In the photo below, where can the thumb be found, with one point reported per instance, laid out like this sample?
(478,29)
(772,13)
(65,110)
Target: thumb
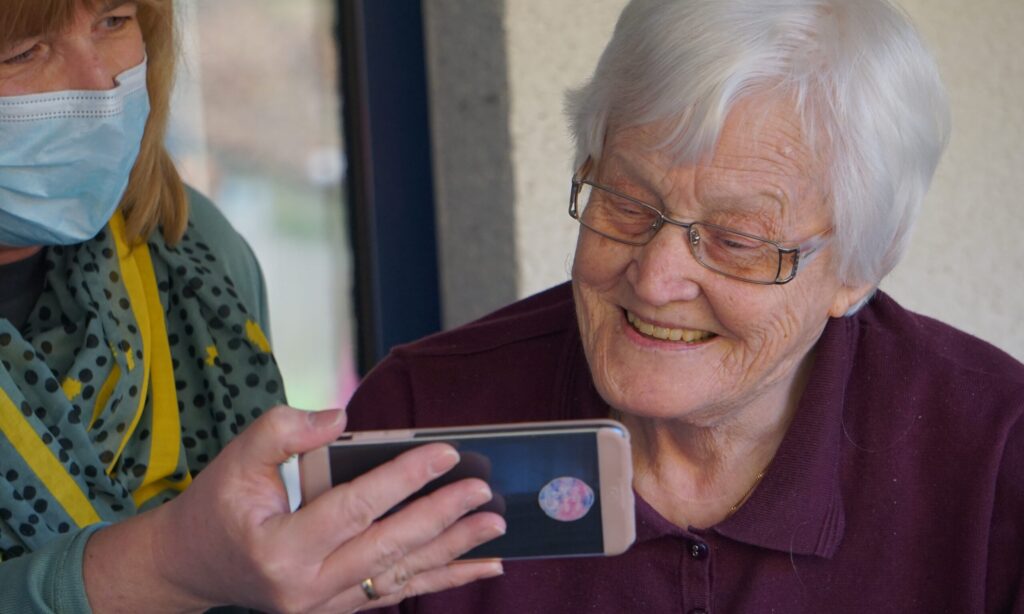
(284,431)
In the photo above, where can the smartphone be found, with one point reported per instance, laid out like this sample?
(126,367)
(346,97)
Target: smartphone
(564,488)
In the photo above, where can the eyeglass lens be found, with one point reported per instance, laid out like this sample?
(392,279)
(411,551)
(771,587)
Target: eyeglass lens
(717,248)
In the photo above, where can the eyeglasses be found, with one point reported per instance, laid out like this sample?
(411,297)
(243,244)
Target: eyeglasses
(732,253)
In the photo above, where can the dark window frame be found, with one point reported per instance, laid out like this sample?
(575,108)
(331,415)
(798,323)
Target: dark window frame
(390,179)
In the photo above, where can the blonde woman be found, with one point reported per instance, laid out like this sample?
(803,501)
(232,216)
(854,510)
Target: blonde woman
(132,352)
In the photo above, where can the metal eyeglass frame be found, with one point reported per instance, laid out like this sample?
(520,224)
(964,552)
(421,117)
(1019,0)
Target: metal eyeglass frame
(802,253)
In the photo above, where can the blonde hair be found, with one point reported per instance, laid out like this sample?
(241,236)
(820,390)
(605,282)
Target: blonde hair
(155,195)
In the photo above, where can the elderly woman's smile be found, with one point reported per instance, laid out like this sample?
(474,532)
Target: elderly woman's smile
(666,332)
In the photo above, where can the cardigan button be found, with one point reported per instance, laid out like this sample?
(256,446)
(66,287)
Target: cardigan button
(698,550)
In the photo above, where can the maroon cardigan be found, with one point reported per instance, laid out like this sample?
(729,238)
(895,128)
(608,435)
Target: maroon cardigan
(898,488)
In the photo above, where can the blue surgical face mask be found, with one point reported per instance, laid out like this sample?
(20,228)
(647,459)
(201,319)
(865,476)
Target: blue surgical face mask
(65,158)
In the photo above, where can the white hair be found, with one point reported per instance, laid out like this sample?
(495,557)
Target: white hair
(866,90)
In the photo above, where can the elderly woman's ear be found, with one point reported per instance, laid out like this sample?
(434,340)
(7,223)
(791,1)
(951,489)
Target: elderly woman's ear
(850,297)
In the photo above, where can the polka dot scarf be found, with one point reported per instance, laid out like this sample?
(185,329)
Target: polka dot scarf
(134,369)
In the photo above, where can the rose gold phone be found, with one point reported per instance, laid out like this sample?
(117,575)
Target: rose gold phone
(564,488)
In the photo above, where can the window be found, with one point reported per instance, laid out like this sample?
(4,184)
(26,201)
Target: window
(256,127)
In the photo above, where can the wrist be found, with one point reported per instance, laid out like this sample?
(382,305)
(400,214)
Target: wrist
(128,568)
(176,563)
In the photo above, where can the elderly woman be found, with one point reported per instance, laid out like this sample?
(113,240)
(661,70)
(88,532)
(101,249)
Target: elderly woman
(748,172)
(132,352)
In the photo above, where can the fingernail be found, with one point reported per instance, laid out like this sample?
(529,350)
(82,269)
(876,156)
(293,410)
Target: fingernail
(443,462)
(478,497)
(489,568)
(497,529)
(325,419)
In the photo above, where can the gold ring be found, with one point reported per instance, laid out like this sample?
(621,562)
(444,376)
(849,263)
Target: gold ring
(368,590)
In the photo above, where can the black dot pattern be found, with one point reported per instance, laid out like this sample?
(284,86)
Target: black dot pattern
(75,372)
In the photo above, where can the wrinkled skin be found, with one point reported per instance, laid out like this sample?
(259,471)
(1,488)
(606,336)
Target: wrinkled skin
(696,406)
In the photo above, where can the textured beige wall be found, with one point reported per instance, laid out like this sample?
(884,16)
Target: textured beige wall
(966,262)
(553,45)
(469,98)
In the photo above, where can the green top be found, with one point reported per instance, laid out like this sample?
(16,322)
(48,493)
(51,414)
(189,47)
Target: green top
(73,373)
(233,252)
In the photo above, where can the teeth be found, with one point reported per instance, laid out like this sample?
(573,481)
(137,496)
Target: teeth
(668,334)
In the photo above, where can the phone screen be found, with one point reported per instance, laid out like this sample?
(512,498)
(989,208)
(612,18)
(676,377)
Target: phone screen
(546,485)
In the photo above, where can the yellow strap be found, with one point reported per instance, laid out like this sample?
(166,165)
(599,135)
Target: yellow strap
(132,278)
(165,445)
(140,282)
(44,464)
(104,394)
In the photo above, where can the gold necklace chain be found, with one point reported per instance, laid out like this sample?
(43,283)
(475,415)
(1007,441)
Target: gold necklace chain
(617,415)
(746,495)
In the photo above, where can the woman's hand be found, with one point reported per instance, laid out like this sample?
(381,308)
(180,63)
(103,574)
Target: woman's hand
(230,539)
